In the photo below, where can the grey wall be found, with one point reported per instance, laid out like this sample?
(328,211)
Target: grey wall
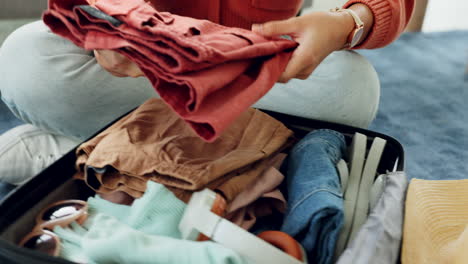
(22,8)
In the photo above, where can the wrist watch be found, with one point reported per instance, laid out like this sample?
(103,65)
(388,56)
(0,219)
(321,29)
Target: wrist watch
(356,35)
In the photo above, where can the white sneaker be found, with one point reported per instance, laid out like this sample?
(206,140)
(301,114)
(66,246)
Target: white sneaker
(26,150)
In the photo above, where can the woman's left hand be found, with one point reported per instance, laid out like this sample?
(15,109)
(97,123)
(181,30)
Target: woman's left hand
(318,35)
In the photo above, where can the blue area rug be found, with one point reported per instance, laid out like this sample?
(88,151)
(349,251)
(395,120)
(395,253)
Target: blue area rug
(424,101)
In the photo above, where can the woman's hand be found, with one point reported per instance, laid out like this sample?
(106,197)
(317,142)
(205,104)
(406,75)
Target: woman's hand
(318,35)
(117,64)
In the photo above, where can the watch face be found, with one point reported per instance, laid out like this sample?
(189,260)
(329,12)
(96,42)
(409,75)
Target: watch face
(357,36)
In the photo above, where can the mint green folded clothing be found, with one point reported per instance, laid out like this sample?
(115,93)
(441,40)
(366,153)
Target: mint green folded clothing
(145,232)
(157,212)
(70,242)
(110,241)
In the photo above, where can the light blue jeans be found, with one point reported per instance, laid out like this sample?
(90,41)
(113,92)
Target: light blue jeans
(51,83)
(315,201)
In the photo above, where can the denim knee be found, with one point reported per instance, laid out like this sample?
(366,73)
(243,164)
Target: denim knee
(343,89)
(367,82)
(354,88)
(51,83)
(9,50)
(20,72)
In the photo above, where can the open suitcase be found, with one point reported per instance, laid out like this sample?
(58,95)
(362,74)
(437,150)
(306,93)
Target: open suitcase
(19,208)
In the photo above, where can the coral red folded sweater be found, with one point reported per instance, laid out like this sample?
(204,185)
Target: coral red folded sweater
(390,16)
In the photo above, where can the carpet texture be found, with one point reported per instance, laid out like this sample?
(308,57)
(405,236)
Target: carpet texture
(424,101)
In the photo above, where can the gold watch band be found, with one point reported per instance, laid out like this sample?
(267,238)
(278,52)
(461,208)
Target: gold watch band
(355,36)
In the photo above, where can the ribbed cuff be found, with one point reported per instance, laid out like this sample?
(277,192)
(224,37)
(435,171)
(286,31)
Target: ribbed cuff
(382,11)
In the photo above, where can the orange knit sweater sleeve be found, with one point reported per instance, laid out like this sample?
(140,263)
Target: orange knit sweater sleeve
(390,19)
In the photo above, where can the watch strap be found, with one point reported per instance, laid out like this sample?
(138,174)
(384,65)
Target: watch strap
(359,25)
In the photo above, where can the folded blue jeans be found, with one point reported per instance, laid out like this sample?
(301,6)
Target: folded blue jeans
(315,201)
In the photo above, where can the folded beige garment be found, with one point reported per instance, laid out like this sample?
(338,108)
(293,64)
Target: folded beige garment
(436,219)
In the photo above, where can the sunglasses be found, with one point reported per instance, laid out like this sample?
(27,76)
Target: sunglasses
(61,213)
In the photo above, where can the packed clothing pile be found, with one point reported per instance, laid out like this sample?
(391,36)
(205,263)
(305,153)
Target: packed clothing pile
(321,197)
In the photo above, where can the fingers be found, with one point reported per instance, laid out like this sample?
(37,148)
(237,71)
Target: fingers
(117,64)
(303,60)
(133,70)
(300,66)
(304,74)
(275,28)
(105,64)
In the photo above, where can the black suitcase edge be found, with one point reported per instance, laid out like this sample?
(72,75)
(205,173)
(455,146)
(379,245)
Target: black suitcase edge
(24,197)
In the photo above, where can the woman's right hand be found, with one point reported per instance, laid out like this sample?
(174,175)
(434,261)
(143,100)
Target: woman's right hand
(117,64)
